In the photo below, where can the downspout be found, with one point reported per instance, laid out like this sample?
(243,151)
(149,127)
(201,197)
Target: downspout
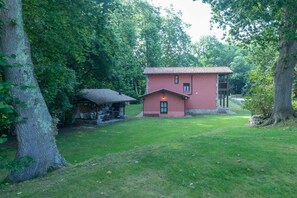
(143,106)
(147,85)
(217,91)
(184,106)
(191,92)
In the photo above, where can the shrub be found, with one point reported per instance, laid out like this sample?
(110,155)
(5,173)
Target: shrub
(259,97)
(294,103)
(7,111)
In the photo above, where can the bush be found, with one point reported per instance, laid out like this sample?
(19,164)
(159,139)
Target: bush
(294,103)
(259,97)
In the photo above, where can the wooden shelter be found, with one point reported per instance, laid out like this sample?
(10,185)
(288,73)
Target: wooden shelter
(101,105)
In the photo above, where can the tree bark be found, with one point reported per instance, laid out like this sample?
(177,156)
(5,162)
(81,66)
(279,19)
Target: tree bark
(35,129)
(283,81)
(136,87)
(285,67)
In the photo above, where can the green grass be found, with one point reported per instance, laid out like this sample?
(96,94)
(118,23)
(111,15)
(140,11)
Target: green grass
(133,110)
(201,156)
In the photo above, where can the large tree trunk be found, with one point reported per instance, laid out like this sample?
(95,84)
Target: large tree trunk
(285,67)
(35,131)
(283,81)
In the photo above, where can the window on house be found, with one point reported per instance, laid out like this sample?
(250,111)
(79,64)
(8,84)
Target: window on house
(186,87)
(176,79)
(164,107)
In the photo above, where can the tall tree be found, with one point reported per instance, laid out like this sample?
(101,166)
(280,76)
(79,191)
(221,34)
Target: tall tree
(241,68)
(72,48)
(62,39)
(209,51)
(176,43)
(150,24)
(258,21)
(142,37)
(35,128)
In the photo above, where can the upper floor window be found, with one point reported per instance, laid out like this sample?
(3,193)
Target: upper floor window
(186,87)
(176,79)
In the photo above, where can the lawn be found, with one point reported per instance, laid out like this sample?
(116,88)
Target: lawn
(200,156)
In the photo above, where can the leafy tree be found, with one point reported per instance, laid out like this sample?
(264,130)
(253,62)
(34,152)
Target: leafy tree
(143,38)
(56,36)
(209,51)
(35,132)
(259,90)
(176,43)
(57,91)
(150,32)
(261,22)
(241,68)
(259,97)
(71,47)
(8,113)
(136,28)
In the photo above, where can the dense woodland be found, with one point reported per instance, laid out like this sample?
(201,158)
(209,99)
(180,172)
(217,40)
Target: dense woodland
(107,44)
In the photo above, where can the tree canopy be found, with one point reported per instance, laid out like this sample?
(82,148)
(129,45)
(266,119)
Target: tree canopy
(260,22)
(209,51)
(107,44)
(103,44)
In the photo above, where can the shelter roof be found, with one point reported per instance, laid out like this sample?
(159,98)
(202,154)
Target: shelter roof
(103,96)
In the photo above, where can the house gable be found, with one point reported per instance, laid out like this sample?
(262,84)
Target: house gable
(164,103)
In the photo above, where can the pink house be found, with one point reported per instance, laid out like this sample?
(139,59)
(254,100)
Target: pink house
(175,91)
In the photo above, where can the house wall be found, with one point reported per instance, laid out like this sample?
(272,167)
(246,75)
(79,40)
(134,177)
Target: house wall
(203,88)
(151,105)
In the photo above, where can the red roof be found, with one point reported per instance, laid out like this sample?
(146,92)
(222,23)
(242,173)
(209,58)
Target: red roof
(168,91)
(187,70)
